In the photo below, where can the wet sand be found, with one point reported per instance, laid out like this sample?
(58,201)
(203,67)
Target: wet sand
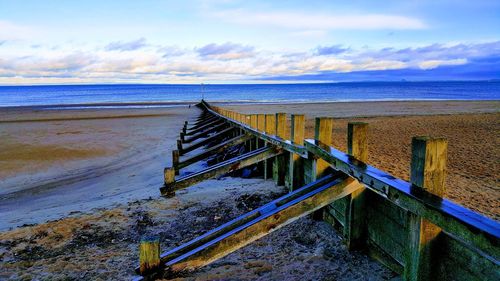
(100,186)
(58,162)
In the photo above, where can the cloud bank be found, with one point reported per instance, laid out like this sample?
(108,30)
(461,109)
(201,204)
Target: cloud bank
(136,61)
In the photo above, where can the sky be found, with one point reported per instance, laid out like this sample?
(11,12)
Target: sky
(226,41)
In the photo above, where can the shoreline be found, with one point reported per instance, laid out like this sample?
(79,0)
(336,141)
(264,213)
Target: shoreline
(156,105)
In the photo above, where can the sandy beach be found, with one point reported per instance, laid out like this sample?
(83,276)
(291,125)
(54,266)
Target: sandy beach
(94,174)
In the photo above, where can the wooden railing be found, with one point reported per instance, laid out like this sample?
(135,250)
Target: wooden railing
(408,226)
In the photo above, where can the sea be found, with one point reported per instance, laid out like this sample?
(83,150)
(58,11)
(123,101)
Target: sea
(167,95)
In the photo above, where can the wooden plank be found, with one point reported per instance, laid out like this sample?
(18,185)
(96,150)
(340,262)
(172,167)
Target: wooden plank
(295,168)
(389,246)
(202,122)
(222,168)
(355,219)
(387,228)
(388,209)
(477,231)
(204,127)
(206,132)
(380,255)
(265,224)
(428,168)
(473,266)
(280,163)
(208,140)
(244,219)
(214,150)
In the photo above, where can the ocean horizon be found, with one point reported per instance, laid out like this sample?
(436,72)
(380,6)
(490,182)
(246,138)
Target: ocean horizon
(167,95)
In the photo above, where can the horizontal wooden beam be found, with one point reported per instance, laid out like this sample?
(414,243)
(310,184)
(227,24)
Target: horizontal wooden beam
(213,150)
(472,229)
(261,222)
(206,132)
(222,168)
(202,122)
(208,140)
(200,129)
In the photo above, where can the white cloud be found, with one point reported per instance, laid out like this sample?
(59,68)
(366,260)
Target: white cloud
(14,31)
(317,21)
(430,64)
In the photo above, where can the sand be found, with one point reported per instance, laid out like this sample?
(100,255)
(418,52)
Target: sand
(97,175)
(473,140)
(57,162)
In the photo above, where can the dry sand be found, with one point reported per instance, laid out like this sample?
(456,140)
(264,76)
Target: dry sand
(115,164)
(473,140)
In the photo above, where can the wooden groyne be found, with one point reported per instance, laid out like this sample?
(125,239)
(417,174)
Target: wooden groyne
(407,226)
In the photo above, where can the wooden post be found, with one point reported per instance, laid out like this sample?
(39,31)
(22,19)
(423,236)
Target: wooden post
(322,132)
(295,177)
(253,124)
(175,161)
(253,121)
(179,145)
(270,124)
(428,169)
(279,163)
(317,167)
(261,122)
(149,255)
(355,226)
(270,130)
(169,177)
(261,126)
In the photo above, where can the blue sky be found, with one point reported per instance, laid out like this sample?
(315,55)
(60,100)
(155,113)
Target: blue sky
(225,41)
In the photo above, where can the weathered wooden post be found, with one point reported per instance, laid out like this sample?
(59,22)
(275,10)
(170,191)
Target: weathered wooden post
(270,130)
(253,124)
(253,121)
(355,226)
(279,163)
(184,129)
(169,178)
(428,170)
(179,146)
(271,124)
(175,161)
(295,176)
(323,133)
(261,126)
(149,255)
(316,168)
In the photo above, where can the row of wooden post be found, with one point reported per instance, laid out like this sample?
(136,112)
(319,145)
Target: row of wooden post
(428,168)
